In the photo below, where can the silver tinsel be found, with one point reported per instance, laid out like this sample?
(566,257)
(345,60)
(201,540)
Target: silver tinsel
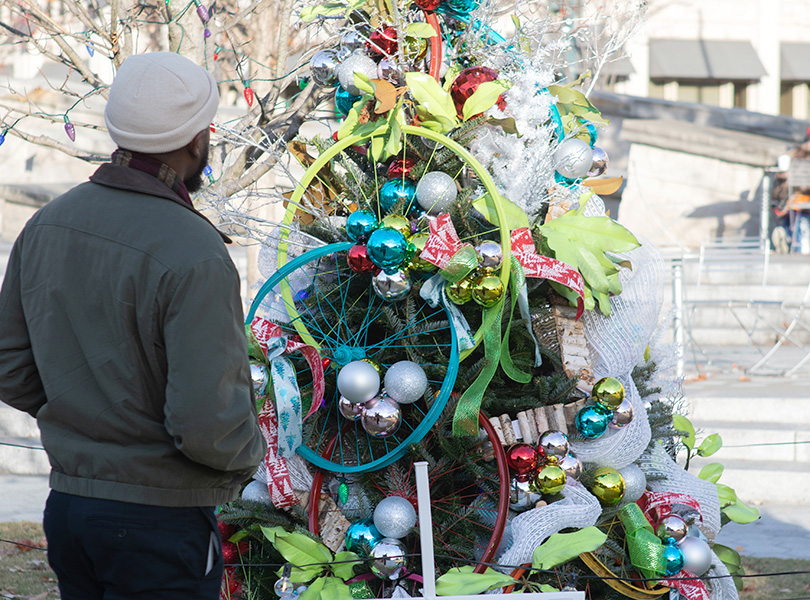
(394,517)
(406,382)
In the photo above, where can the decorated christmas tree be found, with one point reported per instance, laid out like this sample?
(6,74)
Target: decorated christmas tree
(445,287)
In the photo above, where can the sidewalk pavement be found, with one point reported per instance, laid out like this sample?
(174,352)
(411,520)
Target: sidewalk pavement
(782,532)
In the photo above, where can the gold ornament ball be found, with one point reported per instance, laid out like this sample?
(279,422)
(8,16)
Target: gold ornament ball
(550,480)
(418,240)
(374,364)
(488,290)
(607,484)
(608,392)
(398,223)
(460,292)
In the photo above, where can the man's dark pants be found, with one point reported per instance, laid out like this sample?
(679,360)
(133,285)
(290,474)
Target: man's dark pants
(103,549)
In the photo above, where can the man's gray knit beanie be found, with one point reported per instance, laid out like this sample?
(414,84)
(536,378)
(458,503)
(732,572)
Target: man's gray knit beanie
(158,102)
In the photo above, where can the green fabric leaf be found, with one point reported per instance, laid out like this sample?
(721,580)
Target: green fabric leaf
(741,513)
(463,582)
(363,83)
(681,423)
(352,120)
(313,591)
(432,97)
(451,75)
(597,233)
(730,557)
(344,569)
(603,301)
(516,23)
(548,588)
(559,548)
(484,97)
(726,495)
(298,549)
(710,445)
(421,30)
(571,101)
(507,124)
(711,472)
(331,9)
(334,589)
(515,217)
(588,265)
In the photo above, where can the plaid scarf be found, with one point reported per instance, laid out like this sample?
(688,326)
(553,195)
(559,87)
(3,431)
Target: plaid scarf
(155,168)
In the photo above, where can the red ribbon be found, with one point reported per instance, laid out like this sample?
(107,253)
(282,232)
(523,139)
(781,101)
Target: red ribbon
(657,506)
(264,330)
(278,476)
(543,267)
(443,242)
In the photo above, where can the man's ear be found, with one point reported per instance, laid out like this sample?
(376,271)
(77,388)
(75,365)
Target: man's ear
(196,147)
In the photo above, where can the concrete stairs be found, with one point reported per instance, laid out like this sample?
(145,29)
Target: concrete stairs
(765,426)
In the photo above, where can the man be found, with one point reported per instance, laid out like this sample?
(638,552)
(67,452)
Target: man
(121,332)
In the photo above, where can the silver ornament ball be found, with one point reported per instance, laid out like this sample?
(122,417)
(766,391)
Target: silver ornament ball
(554,443)
(571,465)
(352,40)
(259,377)
(406,382)
(622,414)
(387,69)
(391,287)
(388,559)
(256,491)
(394,517)
(436,192)
(672,526)
(599,163)
(358,381)
(348,409)
(490,255)
(355,63)
(573,158)
(322,68)
(381,417)
(635,482)
(521,496)
(697,555)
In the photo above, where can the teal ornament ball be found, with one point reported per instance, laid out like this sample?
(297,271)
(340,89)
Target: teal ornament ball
(592,421)
(673,558)
(361,537)
(394,190)
(344,100)
(462,7)
(388,249)
(360,225)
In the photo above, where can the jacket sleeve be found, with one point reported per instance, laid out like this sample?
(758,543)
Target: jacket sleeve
(209,410)
(20,383)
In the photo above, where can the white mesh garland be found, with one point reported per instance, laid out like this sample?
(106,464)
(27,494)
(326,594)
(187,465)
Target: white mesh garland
(579,509)
(619,342)
(683,482)
(721,588)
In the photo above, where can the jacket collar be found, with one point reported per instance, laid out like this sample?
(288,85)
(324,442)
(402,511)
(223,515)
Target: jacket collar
(125,178)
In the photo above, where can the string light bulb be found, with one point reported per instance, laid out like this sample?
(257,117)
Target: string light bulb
(209,172)
(284,586)
(248,93)
(3,135)
(70,130)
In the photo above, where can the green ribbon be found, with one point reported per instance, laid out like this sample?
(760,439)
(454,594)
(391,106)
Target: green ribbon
(465,419)
(461,264)
(644,547)
(433,292)
(517,283)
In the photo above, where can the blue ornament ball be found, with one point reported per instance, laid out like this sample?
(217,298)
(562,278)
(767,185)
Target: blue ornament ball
(394,190)
(592,421)
(673,558)
(360,225)
(388,249)
(361,537)
(344,100)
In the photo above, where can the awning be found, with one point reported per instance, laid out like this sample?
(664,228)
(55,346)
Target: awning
(704,59)
(795,61)
(620,67)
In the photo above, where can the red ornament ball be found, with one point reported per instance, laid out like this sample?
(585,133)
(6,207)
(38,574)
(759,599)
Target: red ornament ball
(382,42)
(359,262)
(522,458)
(428,4)
(226,530)
(230,553)
(400,167)
(231,584)
(468,81)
